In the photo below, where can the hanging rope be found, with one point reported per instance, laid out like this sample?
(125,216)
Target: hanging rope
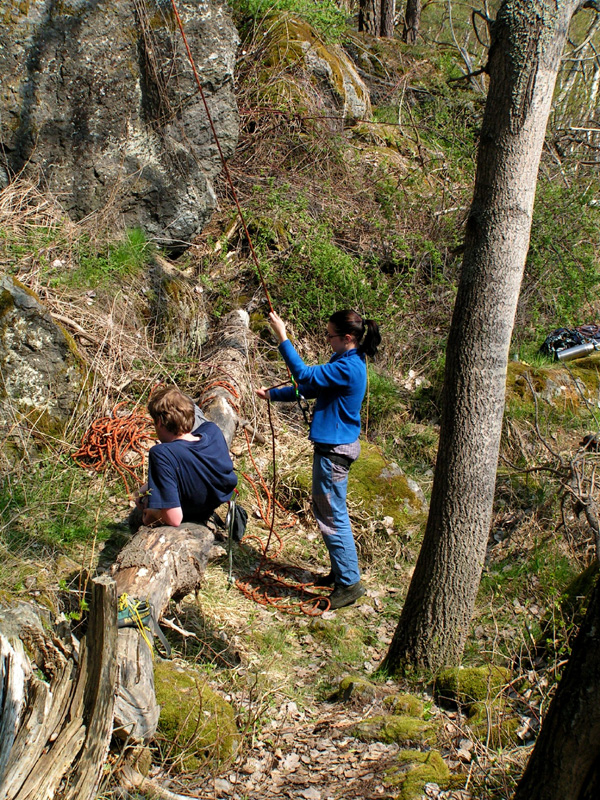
(270,583)
(223,161)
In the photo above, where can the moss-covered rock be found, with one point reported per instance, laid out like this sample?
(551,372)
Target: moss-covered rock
(43,373)
(413,770)
(353,687)
(374,484)
(382,487)
(333,79)
(567,388)
(400,729)
(178,318)
(195,722)
(406,704)
(466,685)
(494,724)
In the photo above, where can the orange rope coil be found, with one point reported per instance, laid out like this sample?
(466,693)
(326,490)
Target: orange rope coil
(109,440)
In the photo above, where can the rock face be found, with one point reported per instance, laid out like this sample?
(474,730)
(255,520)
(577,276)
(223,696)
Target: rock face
(42,375)
(99,97)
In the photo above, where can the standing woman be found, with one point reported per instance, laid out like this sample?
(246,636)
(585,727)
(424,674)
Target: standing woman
(339,387)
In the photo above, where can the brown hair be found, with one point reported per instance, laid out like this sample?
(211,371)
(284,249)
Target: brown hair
(172,409)
(365,332)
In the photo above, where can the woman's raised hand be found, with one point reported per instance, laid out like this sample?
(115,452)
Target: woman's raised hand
(278,326)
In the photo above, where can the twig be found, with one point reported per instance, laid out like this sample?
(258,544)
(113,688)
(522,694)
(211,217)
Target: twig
(132,779)
(76,327)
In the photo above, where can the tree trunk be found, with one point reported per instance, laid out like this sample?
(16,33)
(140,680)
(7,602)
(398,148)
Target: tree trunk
(376,17)
(527,42)
(412,20)
(388,12)
(565,762)
(158,564)
(368,17)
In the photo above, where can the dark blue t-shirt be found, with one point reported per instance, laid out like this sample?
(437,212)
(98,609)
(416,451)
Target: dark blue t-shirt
(196,476)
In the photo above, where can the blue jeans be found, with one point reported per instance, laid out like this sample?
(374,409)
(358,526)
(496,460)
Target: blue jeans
(329,488)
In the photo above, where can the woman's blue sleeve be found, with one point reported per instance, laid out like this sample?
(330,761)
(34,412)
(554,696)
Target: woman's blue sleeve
(322,376)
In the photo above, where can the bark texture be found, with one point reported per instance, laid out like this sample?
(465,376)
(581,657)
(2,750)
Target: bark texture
(56,732)
(565,762)
(158,563)
(412,20)
(527,43)
(376,17)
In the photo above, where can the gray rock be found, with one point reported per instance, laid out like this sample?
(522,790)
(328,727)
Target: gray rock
(42,375)
(99,97)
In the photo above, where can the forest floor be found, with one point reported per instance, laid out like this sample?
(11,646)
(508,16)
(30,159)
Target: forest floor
(373,215)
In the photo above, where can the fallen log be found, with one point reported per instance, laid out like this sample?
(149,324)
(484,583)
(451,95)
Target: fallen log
(157,565)
(220,397)
(57,711)
(162,563)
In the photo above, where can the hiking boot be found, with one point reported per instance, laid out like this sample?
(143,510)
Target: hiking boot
(345,595)
(324,580)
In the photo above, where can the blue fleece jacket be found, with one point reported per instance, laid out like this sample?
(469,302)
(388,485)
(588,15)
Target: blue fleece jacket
(339,387)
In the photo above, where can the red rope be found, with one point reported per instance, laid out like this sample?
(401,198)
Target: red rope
(110,439)
(223,161)
(311,605)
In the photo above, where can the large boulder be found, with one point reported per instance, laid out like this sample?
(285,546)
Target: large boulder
(100,98)
(330,82)
(42,373)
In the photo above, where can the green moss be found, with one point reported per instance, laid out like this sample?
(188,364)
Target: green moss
(353,686)
(391,728)
(414,770)
(196,724)
(285,47)
(379,487)
(346,641)
(42,422)
(556,382)
(406,704)
(493,724)
(6,302)
(466,685)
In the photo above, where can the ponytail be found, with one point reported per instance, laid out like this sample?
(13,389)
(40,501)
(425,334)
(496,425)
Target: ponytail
(372,339)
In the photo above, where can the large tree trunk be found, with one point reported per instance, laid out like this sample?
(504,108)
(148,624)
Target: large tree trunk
(368,17)
(527,42)
(388,12)
(412,20)
(565,762)
(376,17)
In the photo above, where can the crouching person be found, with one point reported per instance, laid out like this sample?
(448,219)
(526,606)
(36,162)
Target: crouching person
(190,473)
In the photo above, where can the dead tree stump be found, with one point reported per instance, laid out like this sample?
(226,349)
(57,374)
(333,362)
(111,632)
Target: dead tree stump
(56,713)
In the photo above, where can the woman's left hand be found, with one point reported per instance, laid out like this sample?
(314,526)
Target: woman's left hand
(278,326)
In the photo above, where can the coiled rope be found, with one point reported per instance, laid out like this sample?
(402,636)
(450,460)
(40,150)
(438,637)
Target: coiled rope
(110,442)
